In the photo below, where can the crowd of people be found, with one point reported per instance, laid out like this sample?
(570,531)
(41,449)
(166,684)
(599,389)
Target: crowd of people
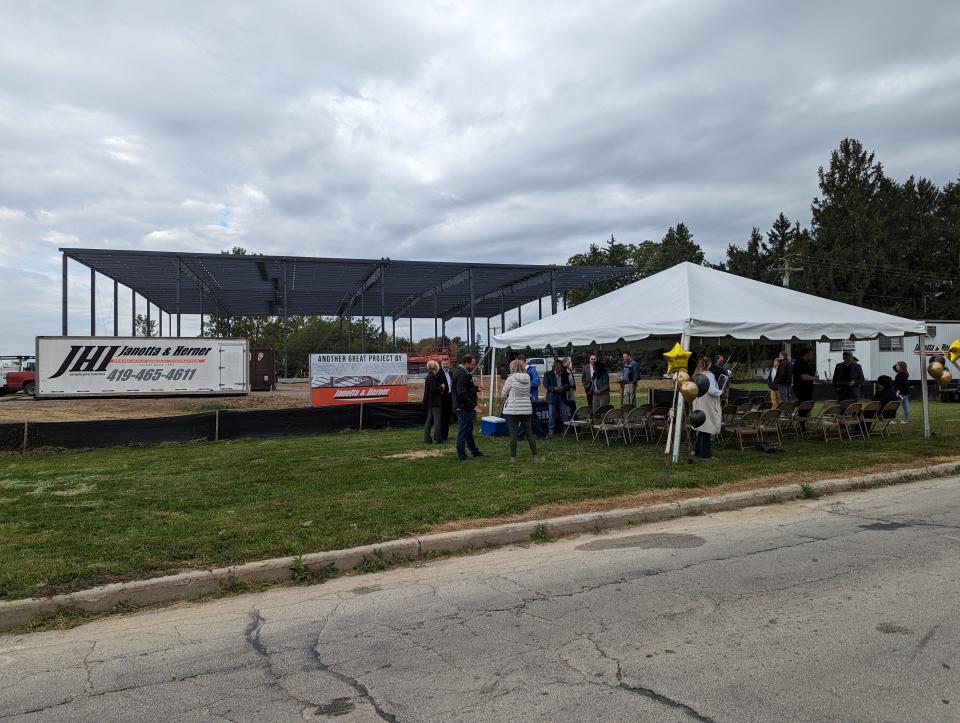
(448,394)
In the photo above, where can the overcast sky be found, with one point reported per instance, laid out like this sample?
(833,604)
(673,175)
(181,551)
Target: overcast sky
(487,131)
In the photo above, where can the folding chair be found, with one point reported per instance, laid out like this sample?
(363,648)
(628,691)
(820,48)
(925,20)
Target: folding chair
(829,421)
(870,415)
(888,418)
(801,415)
(612,422)
(597,419)
(635,423)
(659,421)
(728,421)
(765,406)
(785,418)
(749,425)
(627,408)
(852,421)
(580,420)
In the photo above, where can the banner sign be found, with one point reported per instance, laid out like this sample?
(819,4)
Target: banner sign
(70,366)
(357,378)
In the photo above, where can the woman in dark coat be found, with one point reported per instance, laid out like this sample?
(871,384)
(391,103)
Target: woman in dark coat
(433,388)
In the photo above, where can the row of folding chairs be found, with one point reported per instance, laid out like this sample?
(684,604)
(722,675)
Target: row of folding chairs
(851,420)
(834,421)
(627,422)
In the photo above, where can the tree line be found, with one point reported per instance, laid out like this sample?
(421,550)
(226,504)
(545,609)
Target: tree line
(872,241)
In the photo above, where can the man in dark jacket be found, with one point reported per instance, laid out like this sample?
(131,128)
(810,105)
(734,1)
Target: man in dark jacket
(784,378)
(465,399)
(848,378)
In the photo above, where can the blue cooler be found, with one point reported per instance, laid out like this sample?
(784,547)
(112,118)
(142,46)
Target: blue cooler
(493,426)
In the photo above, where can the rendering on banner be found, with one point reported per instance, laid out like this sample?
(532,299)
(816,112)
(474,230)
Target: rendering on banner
(356,378)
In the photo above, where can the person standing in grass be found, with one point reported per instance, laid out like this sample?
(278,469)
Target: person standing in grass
(570,382)
(804,375)
(709,404)
(785,378)
(465,394)
(772,384)
(589,372)
(518,408)
(447,412)
(600,386)
(848,378)
(433,396)
(556,396)
(629,377)
(901,384)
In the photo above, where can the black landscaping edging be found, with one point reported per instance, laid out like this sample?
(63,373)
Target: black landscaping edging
(223,424)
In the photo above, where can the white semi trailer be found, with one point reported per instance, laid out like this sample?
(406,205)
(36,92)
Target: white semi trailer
(878,356)
(85,366)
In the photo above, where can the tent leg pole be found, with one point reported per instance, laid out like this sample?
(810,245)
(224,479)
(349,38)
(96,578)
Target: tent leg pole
(924,386)
(678,413)
(493,371)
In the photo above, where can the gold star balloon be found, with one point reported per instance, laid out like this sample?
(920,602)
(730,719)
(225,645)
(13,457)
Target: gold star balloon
(953,352)
(677,358)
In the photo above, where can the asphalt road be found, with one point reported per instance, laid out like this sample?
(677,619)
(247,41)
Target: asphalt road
(844,608)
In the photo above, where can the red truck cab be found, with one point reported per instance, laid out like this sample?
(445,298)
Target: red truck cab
(19,378)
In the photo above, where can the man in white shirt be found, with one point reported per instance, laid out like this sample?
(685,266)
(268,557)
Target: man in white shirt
(587,379)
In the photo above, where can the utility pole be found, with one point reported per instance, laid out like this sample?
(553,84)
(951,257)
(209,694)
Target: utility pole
(785,279)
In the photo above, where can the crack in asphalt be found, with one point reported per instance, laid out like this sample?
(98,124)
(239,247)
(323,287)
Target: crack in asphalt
(252,635)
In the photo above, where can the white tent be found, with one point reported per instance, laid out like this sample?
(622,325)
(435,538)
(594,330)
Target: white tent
(699,301)
(695,301)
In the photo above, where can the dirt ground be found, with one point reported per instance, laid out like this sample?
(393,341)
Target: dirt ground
(20,408)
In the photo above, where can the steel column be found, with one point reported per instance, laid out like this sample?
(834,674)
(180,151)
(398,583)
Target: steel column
(93,301)
(179,275)
(160,318)
(286,328)
(394,334)
(133,312)
(116,310)
(63,299)
(363,327)
(553,291)
(503,316)
(540,307)
(470,324)
(383,317)
(149,327)
(411,333)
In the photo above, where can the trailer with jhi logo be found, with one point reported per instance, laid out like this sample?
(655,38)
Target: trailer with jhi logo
(83,366)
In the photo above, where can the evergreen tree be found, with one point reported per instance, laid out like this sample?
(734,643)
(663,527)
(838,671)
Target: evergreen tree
(676,247)
(848,227)
(747,261)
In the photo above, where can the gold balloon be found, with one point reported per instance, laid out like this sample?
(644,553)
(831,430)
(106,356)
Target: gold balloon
(944,379)
(689,390)
(676,358)
(683,376)
(936,370)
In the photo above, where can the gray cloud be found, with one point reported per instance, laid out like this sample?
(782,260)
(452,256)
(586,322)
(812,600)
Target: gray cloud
(467,130)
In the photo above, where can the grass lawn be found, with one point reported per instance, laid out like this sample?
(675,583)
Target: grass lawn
(75,519)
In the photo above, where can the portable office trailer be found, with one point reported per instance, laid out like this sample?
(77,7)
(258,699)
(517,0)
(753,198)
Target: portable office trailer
(877,356)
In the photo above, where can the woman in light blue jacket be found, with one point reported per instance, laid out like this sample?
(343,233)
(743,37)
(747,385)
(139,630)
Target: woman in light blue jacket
(517,407)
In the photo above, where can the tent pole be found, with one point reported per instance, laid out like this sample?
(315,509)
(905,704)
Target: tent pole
(924,384)
(678,412)
(493,371)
